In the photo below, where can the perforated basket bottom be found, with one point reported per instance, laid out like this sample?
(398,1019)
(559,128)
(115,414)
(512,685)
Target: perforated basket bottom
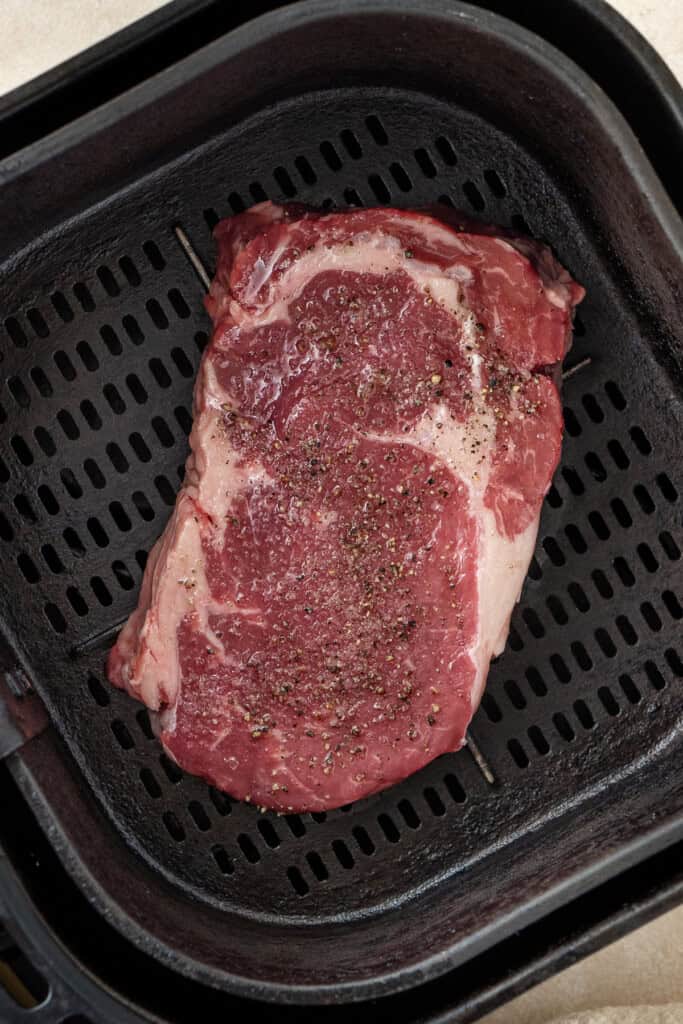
(99,364)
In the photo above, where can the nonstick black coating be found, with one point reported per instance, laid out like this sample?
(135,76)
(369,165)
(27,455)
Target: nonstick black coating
(104,329)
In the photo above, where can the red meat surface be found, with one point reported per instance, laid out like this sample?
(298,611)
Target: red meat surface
(376,423)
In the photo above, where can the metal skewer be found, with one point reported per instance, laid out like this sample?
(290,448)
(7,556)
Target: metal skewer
(191,253)
(479,759)
(99,639)
(576,368)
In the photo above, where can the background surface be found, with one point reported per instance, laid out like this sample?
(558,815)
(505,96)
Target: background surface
(647,966)
(37,34)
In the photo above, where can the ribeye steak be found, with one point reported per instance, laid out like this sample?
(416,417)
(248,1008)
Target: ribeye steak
(376,422)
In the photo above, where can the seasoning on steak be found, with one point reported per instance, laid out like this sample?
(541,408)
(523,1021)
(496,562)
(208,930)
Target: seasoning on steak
(376,422)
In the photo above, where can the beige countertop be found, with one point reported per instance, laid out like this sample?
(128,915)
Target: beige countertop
(646,967)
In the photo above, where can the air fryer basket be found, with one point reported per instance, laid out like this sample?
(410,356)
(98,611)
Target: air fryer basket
(372,103)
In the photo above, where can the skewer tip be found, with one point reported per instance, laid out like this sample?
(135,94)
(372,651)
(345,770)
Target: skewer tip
(190,252)
(577,367)
(479,759)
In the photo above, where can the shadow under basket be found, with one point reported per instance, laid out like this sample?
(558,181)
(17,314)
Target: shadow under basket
(374,103)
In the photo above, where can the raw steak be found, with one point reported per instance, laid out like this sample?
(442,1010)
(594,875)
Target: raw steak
(376,422)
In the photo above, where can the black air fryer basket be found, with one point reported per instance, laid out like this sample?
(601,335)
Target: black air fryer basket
(401,902)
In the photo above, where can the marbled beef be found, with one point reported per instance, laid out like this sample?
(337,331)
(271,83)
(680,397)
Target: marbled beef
(376,422)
